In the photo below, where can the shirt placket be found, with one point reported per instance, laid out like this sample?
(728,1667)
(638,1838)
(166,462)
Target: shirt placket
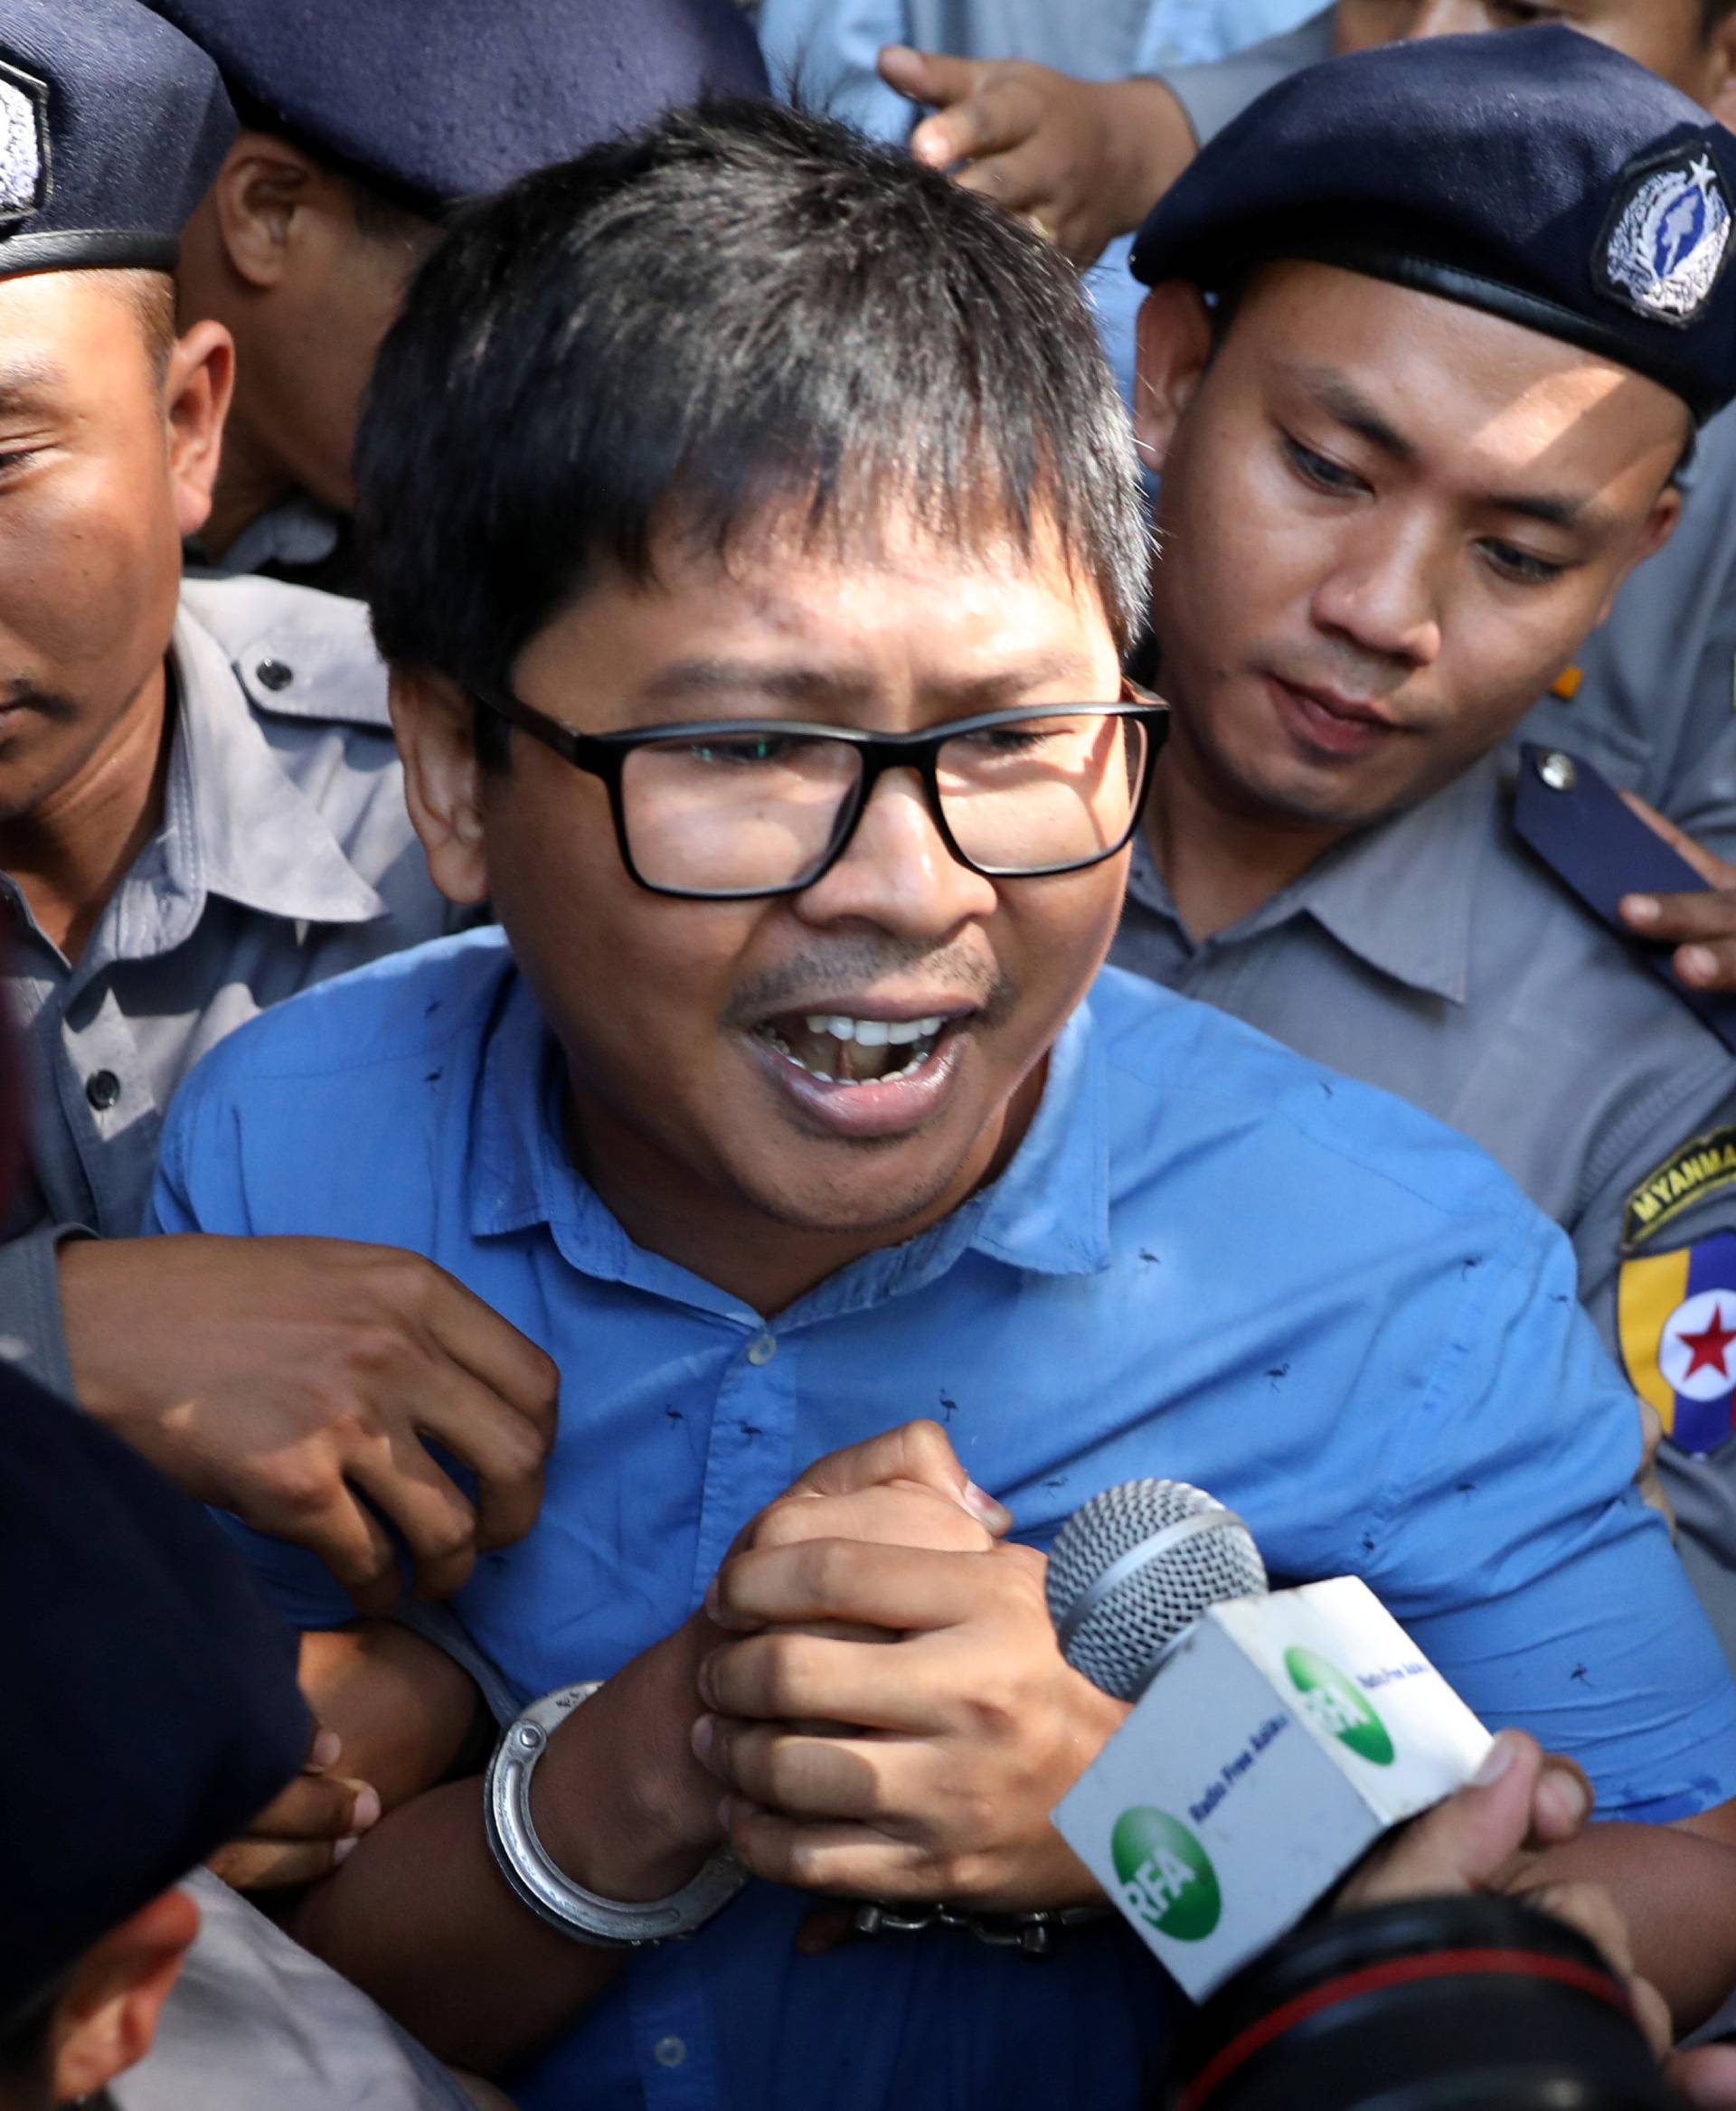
(749,1463)
(106,1104)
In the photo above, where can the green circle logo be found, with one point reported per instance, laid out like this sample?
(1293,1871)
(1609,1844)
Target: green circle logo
(1167,1876)
(1335,1704)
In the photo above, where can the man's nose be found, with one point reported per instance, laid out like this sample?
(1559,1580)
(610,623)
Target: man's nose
(896,872)
(1382,597)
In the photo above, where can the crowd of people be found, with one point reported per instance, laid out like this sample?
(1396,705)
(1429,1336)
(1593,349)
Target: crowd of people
(774,785)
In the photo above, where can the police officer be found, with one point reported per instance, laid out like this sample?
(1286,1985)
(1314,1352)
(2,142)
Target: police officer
(1651,697)
(361,129)
(201,812)
(1371,544)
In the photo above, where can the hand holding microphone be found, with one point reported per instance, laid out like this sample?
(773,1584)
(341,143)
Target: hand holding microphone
(1277,1736)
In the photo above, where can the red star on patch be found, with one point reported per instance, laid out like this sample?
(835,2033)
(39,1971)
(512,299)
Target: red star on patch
(1709,1346)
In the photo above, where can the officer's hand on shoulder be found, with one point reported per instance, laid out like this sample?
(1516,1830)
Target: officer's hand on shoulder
(1083,161)
(1701,927)
(293,1381)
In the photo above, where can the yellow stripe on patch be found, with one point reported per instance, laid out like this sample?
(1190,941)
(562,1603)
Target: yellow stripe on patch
(1649,1292)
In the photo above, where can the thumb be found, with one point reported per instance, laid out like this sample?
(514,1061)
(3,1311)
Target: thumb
(1464,1844)
(916,1452)
(928,77)
(1711,868)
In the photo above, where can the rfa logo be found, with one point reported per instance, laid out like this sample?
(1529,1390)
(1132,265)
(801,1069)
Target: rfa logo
(1336,1706)
(1167,1876)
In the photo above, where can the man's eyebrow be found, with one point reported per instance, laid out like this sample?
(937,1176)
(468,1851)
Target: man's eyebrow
(1554,509)
(688,680)
(1340,399)
(24,381)
(819,688)
(1351,407)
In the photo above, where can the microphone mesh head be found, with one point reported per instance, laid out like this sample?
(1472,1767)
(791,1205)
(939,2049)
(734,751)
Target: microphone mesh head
(1118,1643)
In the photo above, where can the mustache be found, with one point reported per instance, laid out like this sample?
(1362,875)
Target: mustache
(861,962)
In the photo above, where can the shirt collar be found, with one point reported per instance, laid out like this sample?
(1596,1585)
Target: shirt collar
(1047,1212)
(297,532)
(1401,895)
(236,825)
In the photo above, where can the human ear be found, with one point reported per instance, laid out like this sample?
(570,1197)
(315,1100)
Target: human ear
(434,722)
(1174,347)
(263,189)
(104,2021)
(1660,525)
(197,385)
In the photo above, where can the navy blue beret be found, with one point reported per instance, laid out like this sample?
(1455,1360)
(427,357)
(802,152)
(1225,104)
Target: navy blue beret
(1532,172)
(111,127)
(151,1707)
(435,100)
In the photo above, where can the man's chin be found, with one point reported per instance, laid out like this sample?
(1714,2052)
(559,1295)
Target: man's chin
(882,1201)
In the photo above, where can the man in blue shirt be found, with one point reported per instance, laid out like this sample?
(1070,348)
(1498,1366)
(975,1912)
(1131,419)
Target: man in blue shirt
(754,532)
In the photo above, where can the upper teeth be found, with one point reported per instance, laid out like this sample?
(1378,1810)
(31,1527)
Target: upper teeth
(875,1032)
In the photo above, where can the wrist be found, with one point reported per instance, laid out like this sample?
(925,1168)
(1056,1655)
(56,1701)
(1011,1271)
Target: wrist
(620,1801)
(1151,143)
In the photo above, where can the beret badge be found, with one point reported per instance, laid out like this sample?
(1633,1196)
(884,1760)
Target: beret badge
(24,146)
(1667,239)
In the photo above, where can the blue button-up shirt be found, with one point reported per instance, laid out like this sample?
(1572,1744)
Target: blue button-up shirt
(1208,1259)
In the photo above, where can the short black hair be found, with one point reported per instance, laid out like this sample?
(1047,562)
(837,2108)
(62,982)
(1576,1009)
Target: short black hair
(739,310)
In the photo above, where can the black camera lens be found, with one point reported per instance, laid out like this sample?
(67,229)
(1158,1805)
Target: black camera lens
(1437,2004)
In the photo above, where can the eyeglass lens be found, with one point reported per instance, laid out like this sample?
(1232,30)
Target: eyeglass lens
(760,809)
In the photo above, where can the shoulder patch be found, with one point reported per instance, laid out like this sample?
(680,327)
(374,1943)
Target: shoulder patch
(1677,1320)
(1699,1168)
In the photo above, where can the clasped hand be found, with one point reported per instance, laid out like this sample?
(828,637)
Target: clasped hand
(892,1717)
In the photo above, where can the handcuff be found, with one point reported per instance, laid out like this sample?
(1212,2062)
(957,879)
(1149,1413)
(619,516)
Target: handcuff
(540,1884)
(1035,1935)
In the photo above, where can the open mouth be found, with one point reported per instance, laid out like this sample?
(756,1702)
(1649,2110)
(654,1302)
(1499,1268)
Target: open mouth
(853,1051)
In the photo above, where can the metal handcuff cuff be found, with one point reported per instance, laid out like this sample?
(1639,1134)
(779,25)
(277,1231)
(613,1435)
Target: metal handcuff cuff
(538,1881)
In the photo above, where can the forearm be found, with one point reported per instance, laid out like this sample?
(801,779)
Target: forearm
(1151,143)
(1676,1890)
(420,1918)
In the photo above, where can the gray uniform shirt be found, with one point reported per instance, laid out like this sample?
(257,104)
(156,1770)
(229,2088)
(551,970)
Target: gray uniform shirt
(1436,957)
(285,856)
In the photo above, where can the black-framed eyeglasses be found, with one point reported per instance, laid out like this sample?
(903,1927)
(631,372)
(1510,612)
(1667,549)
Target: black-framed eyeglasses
(737,809)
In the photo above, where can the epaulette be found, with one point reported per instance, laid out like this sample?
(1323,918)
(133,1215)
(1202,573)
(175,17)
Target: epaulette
(1582,829)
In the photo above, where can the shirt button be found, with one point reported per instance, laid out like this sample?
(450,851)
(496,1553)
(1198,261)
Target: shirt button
(102,1088)
(669,2051)
(1557,771)
(274,674)
(763,1350)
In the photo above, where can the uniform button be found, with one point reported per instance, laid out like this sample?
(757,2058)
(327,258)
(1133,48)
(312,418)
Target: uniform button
(274,674)
(763,1350)
(1558,771)
(669,2051)
(102,1088)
